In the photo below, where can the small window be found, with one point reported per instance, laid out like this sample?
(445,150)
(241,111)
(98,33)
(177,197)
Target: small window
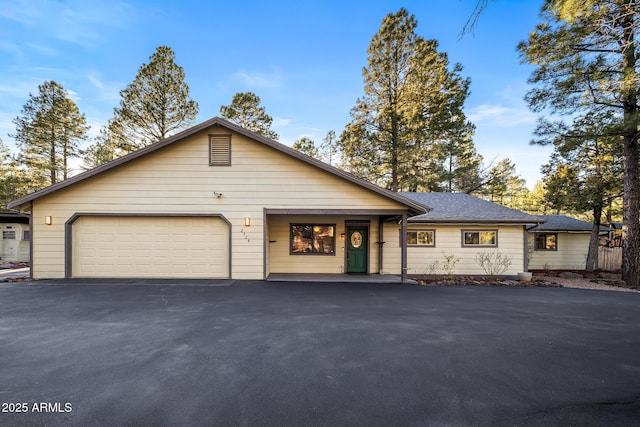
(219,150)
(421,238)
(26,235)
(313,239)
(9,235)
(547,242)
(479,238)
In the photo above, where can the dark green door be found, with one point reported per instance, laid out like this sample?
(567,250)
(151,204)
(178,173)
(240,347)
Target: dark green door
(357,249)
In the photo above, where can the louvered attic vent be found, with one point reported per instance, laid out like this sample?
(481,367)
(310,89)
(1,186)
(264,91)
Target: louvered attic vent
(219,150)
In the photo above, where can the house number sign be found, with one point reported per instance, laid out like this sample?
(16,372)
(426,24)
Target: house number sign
(356,239)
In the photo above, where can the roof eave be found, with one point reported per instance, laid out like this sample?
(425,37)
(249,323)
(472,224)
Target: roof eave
(470,221)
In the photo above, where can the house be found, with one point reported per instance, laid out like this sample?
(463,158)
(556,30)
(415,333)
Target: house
(16,236)
(458,227)
(216,201)
(560,243)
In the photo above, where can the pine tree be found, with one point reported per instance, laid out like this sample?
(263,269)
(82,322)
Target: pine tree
(585,170)
(112,142)
(586,59)
(49,131)
(307,146)
(157,103)
(245,110)
(330,149)
(412,102)
(14,182)
(501,184)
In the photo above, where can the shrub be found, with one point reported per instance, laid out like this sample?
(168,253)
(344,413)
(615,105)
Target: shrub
(447,266)
(493,263)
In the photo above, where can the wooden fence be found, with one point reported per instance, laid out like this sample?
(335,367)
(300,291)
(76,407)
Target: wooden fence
(609,259)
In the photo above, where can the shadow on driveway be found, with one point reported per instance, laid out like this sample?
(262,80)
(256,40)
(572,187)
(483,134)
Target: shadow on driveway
(292,354)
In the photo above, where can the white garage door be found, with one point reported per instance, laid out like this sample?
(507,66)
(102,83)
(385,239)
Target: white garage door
(172,247)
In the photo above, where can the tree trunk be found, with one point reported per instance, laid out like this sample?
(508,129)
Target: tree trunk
(395,148)
(592,256)
(631,196)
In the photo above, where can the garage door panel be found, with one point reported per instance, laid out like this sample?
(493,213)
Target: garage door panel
(190,247)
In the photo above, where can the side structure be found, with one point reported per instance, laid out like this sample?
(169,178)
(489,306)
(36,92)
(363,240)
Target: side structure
(458,228)
(561,243)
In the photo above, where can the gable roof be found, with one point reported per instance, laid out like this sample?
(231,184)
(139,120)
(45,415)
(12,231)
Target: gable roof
(564,223)
(415,208)
(456,208)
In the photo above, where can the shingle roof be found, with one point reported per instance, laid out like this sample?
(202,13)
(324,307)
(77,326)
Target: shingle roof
(564,223)
(463,208)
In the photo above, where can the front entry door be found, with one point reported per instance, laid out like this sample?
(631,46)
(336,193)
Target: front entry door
(357,249)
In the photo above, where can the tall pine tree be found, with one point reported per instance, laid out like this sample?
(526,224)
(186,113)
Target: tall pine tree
(586,58)
(245,110)
(48,132)
(412,102)
(155,105)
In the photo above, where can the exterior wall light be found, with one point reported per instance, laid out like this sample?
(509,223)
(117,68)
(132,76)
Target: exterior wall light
(48,220)
(247,221)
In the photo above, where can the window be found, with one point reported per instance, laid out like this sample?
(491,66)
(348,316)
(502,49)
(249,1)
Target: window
(9,235)
(26,235)
(421,238)
(547,242)
(219,150)
(313,239)
(479,238)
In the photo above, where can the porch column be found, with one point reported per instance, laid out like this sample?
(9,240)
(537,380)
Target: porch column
(403,247)
(380,245)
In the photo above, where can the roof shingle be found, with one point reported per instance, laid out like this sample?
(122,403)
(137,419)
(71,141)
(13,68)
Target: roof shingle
(464,208)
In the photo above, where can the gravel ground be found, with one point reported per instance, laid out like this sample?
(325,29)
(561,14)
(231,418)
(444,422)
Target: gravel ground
(588,284)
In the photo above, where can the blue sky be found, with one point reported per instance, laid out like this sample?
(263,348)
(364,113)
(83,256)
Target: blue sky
(304,59)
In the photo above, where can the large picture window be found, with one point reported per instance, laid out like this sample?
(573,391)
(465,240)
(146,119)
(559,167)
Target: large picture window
(479,237)
(421,238)
(547,242)
(313,239)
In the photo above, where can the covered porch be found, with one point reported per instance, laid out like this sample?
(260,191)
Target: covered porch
(335,245)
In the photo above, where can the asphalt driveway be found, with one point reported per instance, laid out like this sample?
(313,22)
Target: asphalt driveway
(307,354)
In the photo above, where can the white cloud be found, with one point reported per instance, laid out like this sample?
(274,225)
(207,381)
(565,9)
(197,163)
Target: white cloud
(500,115)
(109,91)
(75,21)
(282,122)
(41,49)
(259,79)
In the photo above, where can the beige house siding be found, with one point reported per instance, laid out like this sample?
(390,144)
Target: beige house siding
(572,252)
(281,261)
(177,179)
(448,241)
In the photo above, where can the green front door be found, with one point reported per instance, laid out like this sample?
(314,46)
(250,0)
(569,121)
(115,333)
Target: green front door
(357,249)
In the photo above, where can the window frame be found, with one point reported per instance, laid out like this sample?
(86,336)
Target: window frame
(211,159)
(535,242)
(312,225)
(479,231)
(422,230)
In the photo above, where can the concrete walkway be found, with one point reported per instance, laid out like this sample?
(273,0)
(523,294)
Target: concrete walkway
(334,278)
(14,273)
